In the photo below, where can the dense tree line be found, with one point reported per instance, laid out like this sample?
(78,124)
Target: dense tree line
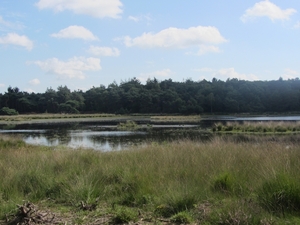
(167,96)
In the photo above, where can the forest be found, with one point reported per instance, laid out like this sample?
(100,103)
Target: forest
(161,97)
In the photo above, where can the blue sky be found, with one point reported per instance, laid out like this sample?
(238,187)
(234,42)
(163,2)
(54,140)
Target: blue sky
(81,44)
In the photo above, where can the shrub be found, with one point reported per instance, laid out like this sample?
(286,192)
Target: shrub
(8,111)
(129,125)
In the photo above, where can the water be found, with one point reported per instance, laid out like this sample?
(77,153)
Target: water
(96,135)
(106,137)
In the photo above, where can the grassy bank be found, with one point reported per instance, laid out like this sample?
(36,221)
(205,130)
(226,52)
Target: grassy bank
(46,117)
(217,182)
(266,127)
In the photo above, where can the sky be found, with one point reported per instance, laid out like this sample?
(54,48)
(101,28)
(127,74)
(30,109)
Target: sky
(88,43)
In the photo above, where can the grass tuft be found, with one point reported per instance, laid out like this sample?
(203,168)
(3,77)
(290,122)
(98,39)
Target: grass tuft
(281,194)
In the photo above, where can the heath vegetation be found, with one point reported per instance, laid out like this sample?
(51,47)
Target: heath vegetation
(221,181)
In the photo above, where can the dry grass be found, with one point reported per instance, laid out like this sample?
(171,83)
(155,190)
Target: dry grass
(29,117)
(195,118)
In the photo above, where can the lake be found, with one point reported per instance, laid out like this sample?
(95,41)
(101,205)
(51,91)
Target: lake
(105,136)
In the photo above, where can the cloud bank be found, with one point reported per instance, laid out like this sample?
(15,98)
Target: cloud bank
(34,82)
(94,8)
(267,9)
(73,68)
(177,38)
(73,32)
(15,39)
(231,73)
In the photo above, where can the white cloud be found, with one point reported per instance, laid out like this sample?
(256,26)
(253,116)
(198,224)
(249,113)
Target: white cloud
(15,39)
(290,74)
(140,18)
(231,73)
(157,74)
(133,18)
(73,68)
(2,85)
(95,8)
(103,51)
(75,32)
(34,82)
(177,38)
(267,9)
(29,90)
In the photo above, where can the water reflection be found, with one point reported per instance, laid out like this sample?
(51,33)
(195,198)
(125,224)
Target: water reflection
(98,140)
(105,137)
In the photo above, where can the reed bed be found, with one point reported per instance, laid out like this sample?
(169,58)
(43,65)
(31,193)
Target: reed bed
(216,182)
(258,127)
(29,117)
(192,118)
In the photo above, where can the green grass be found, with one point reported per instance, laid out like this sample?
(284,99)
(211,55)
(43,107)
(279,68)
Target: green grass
(266,127)
(48,116)
(216,182)
(128,125)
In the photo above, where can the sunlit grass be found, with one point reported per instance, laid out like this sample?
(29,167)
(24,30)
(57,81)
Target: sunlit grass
(230,179)
(191,118)
(258,127)
(25,117)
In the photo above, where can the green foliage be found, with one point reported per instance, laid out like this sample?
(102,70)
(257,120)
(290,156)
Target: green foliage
(8,111)
(174,180)
(258,127)
(124,215)
(281,194)
(223,183)
(128,125)
(182,218)
(67,108)
(176,204)
(167,96)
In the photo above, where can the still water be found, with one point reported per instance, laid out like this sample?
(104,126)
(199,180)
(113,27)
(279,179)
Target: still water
(106,137)
(97,136)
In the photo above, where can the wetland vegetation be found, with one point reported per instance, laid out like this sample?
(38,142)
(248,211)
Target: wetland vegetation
(221,181)
(262,127)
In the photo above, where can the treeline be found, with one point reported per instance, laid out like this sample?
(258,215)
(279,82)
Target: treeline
(188,97)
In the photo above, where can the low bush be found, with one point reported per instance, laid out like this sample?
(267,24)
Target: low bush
(9,112)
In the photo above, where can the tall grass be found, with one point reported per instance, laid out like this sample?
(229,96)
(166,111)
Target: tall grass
(165,179)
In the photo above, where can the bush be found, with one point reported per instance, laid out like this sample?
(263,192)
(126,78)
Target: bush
(67,108)
(8,111)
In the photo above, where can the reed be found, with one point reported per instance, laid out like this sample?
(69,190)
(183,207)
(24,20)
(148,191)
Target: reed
(45,116)
(191,118)
(220,180)
(265,127)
